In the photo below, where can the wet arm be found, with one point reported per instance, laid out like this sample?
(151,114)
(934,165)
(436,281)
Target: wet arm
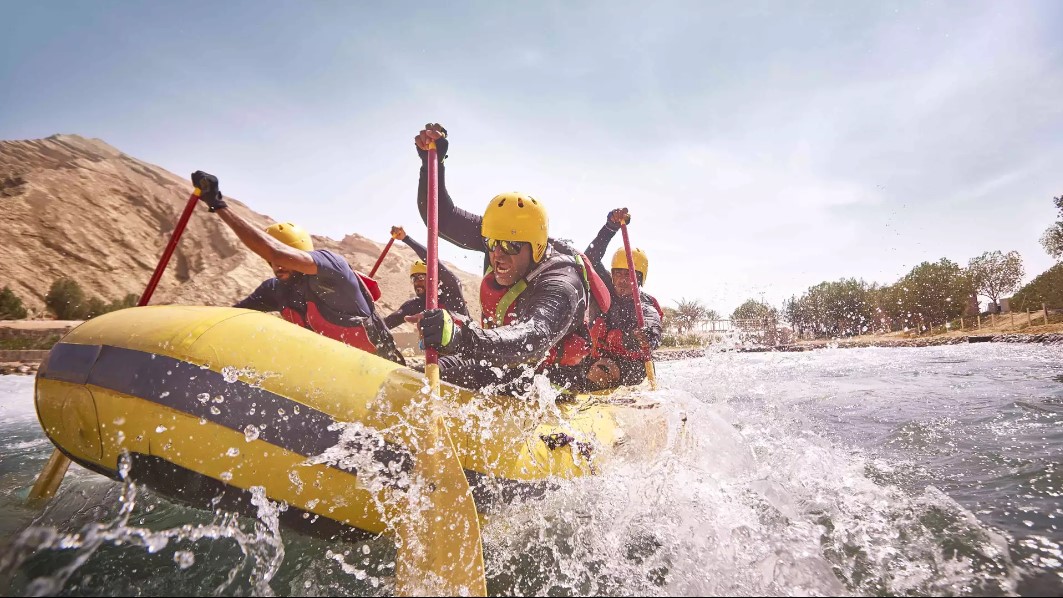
(556,302)
(456,225)
(652,320)
(406,309)
(268,248)
(449,283)
(596,250)
(264,298)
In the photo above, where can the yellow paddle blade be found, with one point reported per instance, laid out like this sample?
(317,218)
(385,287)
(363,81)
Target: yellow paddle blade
(439,548)
(651,375)
(51,476)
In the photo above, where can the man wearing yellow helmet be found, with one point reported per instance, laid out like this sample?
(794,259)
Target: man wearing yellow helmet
(621,347)
(450,296)
(534,296)
(315,289)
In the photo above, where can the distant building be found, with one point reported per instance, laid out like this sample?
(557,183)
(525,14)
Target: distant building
(1005,305)
(973,308)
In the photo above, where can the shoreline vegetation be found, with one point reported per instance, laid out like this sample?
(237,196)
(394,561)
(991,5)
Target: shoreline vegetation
(24,343)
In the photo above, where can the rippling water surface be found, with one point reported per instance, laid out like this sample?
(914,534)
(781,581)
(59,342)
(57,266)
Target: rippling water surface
(858,471)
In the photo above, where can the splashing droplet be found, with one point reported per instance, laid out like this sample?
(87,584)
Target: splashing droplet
(184,559)
(251,433)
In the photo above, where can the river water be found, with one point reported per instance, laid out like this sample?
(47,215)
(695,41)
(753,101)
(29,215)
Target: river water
(878,471)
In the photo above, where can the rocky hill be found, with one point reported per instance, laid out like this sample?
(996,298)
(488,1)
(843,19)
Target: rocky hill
(80,208)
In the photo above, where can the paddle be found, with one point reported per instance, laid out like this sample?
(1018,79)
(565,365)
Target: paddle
(441,553)
(636,299)
(52,475)
(380,259)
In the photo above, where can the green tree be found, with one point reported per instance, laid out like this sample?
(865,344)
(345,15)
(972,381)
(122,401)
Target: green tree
(846,307)
(1046,288)
(66,300)
(11,307)
(994,273)
(668,322)
(689,313)
(754,310)
(129,300)
(932,293)
(1052,240)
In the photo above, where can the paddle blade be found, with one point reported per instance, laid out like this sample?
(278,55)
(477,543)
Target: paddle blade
(50,478)
(438,546)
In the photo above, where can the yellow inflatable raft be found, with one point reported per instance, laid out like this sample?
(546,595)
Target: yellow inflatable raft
(210,402)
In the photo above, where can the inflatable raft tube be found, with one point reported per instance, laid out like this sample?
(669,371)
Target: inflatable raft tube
(208,402)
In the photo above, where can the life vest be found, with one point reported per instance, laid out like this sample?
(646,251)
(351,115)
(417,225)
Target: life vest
(499,307)
(355,335)
(610,342)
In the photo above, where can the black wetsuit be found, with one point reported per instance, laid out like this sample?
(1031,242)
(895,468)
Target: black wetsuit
(621,315)
(553,305)
(450,295)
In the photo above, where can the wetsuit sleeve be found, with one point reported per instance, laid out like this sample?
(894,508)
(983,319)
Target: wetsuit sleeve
(264,298)
(596,250)
(456,225)
(652,320)
(335,269)
(556,300)
(406,309)
(451,290)
(451,286)
(420,250)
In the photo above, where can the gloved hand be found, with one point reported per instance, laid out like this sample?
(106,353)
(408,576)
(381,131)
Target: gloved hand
(615,217)
(439,332)
(432,132)
(636,341)
(398,233)
(209,194)
(604,373)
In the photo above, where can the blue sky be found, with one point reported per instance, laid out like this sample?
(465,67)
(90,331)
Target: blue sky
(762,147)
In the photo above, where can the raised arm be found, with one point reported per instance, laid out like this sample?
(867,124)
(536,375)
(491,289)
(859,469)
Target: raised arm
(268,248)
(450,286)
(596,250)
(456,225)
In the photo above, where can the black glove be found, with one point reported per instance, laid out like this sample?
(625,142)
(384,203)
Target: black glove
(442,145)
(631,341)
(209,194)
(439,332)
(613,225)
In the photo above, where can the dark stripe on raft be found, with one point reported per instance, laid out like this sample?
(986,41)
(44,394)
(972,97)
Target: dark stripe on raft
(192,389)
(178,384)
(69,363)
(204,492)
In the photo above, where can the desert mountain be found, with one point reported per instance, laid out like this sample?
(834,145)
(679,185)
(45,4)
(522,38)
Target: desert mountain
(80,208)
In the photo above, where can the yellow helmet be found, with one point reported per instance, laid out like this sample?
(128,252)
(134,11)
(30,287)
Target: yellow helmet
(419,267)
(642,263)
(291,235)
(517,217)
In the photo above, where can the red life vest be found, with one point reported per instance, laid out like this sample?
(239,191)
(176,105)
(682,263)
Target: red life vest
(607,341)
(498,305)
(356,336)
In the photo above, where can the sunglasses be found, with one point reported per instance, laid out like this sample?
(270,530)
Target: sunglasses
(508,247)
(419,277)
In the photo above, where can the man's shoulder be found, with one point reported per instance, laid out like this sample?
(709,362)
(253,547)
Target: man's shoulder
(330,262)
